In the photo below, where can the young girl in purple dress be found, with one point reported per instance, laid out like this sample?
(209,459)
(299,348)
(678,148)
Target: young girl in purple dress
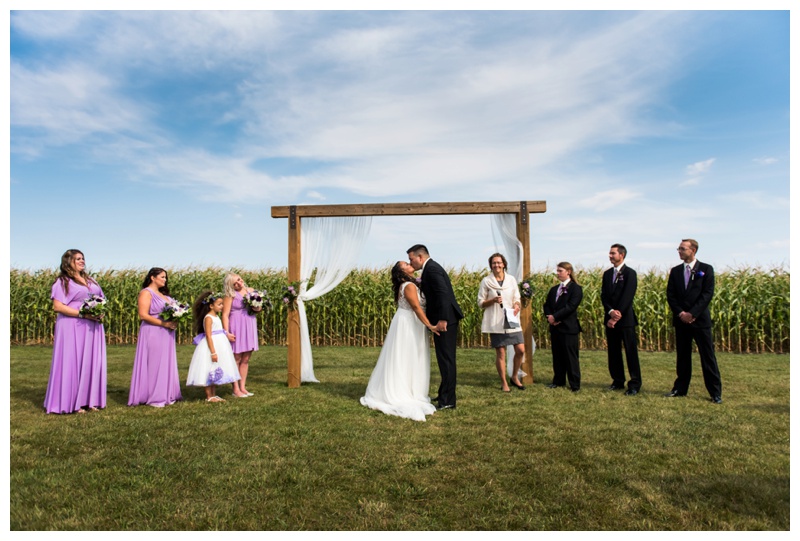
(212,363)
(77,380)
(241,328)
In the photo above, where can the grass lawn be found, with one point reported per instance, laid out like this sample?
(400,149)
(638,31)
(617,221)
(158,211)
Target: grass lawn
(315,459)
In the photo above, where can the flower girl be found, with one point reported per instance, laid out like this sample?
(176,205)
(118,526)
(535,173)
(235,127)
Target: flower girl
(213,362)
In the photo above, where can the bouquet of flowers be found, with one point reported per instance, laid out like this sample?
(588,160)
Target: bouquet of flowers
(526,290)
(290,294)
(256,300)
(175,311)
(215,376)
(95,306)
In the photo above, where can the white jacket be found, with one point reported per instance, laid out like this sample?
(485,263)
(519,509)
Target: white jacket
(493,315)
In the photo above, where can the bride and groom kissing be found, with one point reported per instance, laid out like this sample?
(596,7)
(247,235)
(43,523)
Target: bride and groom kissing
(401,378)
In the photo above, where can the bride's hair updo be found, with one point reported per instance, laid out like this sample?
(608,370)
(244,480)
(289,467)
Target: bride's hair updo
(398,277)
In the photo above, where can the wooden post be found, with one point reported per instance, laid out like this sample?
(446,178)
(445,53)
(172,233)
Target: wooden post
(524,237)
(293,318)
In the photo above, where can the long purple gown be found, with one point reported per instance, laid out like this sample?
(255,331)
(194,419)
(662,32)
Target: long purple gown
(155,379)
(78,371)
(243,326)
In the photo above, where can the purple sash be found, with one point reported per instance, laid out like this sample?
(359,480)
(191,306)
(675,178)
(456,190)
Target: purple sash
(199,337)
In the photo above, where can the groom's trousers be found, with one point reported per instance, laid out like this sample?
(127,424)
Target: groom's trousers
(445,345)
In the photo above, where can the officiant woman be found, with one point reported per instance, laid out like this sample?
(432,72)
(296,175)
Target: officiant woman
(498,291)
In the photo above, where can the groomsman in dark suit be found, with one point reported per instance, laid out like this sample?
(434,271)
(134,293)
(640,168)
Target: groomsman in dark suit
(616,294)
(689,292)
(443,311)
(561,311)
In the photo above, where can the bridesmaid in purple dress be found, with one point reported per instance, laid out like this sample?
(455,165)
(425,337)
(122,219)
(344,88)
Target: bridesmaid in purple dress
(241,328)
(155,380)
(78,371)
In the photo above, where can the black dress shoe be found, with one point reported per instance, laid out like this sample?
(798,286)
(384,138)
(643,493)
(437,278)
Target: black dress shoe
(716,399)
(553,386)
(575,390)
(631,392)
(673,393)
(520,387)
(446,407)
(615,387)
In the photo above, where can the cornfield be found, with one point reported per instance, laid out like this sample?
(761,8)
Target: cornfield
(750,307)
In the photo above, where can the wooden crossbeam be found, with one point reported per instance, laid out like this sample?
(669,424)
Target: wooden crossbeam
(408,209)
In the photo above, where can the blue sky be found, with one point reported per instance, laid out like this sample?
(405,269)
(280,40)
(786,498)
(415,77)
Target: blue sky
(149,138)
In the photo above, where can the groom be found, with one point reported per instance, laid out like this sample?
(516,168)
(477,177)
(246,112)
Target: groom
(443,309)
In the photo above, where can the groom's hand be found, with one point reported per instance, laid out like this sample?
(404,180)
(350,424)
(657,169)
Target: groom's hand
(441,326)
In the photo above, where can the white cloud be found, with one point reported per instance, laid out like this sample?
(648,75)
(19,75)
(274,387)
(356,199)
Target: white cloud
(655,245)
(608,199)
(756,199)
(765,161)
(694,181)
(445,108)
(68,104)
(699,168)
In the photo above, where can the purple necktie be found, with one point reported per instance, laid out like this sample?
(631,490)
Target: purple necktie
(561,290)
(687,275)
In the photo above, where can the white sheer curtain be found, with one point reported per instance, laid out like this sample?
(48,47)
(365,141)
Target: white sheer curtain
(504,234)
(332,246)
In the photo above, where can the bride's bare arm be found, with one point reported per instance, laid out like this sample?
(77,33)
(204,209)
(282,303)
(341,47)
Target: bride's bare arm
(410,293)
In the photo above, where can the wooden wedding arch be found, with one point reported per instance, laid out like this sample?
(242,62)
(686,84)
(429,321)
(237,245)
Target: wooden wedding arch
(295,214)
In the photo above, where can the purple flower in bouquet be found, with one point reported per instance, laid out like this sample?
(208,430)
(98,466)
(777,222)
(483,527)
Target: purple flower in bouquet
(215,376)
(256,301)
(526,290)
(94,306)
(175,311)
(290,294)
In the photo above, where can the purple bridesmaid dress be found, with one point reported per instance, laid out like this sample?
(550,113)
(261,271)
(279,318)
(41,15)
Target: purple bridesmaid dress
(78,371)
(155,380)
(243,326)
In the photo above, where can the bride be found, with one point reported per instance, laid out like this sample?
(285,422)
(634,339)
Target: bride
(400,382)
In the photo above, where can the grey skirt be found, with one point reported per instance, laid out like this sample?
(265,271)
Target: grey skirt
(501,340)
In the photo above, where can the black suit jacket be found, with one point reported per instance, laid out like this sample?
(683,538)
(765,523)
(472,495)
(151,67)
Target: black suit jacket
(619,296)
(566,309)
(693,299)
(439,297)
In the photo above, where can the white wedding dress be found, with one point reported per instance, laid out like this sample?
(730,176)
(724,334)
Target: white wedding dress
(400,382)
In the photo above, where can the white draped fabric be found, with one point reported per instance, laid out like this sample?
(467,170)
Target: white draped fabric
(504,234)
(332,246)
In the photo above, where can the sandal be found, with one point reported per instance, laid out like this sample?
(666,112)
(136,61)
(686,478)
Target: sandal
(215,399)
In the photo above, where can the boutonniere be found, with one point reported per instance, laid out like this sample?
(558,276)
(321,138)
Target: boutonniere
(619,278)
(698,273)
